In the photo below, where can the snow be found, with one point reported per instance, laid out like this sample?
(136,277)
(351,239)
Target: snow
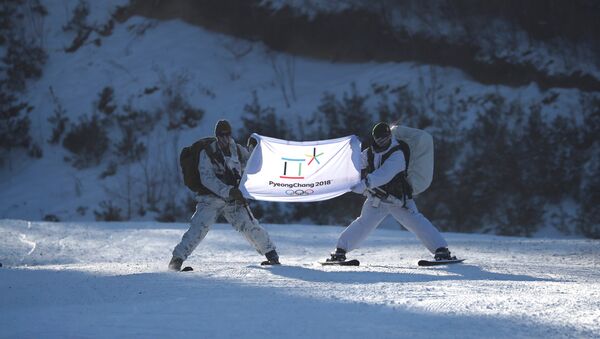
(106,280)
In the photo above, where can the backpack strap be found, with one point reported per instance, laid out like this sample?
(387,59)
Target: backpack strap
(401,146)
(370,161)
(213,155)
(398,186)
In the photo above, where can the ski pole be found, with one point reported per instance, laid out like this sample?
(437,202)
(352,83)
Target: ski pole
(248,210)
(238,179)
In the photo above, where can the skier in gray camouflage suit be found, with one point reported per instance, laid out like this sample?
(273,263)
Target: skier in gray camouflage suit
(385,166)
(220,165)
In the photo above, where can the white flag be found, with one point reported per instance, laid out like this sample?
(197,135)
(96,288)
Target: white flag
(281,170)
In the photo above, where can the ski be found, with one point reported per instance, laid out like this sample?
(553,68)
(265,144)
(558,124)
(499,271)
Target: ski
(187,269)
(352,262)
(439,262)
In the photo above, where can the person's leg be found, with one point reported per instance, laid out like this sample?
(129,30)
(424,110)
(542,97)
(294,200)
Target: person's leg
(415,222)
(361,227)
(204,217)
(239,217)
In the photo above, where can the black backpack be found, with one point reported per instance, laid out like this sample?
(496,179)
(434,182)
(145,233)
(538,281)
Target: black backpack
(188,160)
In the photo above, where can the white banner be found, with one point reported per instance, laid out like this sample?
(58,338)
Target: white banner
(281,170)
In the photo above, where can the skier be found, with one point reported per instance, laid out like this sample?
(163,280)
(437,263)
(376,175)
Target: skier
(388,192)
(220,164)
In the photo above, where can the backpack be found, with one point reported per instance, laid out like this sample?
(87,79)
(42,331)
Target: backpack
(188,160)
(420,164)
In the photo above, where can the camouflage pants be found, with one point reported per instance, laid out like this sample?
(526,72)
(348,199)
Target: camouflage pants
(207,211)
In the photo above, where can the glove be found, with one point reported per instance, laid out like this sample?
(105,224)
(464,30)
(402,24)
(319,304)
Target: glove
(359,188)
(236,195)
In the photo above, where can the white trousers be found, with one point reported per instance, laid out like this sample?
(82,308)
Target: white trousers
(372,215)
(207,211)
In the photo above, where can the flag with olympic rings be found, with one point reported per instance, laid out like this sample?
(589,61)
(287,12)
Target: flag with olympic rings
(282,170)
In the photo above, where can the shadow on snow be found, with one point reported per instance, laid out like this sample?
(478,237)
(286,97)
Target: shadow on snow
(73,303)
(361,275)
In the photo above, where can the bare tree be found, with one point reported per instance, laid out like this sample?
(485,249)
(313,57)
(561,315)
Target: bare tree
(153,183)
(285,76)
(124,190)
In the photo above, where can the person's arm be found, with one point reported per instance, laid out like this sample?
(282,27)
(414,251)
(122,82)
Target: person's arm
(392,166)
(209,179)
(362,185)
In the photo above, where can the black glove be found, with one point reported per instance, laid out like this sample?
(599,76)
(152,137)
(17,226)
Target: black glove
(236,194)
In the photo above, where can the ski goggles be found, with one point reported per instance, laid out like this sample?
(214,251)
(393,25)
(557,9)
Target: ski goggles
(383,140)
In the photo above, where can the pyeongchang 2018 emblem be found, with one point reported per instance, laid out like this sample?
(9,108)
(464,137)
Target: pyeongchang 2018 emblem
(292,167)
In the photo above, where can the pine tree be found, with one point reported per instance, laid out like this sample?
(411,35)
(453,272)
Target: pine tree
(263,121)
(14,121)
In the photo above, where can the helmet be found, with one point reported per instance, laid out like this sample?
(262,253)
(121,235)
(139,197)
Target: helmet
(222,128)
(382,136)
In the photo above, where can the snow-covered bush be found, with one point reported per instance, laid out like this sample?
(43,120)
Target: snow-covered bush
(78,25)
(171,211)
(111,169)
(106,102)
(589,187)
(262,120)
(58,120)
(132,123)
(128,148)
(87,141)
(21,60)
(108,212)
(14,121)
(336,118)
(180,113)
(23,56)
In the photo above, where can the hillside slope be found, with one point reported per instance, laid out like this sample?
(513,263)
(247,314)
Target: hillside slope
(161,70)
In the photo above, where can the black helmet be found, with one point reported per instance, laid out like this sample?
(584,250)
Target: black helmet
(222,128)
(382,136)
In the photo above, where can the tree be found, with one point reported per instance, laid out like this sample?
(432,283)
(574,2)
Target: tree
(14,121)
(58,120)
(262,120)
(334,118)
(88,141)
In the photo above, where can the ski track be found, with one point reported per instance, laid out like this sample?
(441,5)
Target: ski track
(109,280)
(32,244)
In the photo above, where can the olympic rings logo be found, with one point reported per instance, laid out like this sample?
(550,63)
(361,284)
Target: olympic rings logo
(299,192)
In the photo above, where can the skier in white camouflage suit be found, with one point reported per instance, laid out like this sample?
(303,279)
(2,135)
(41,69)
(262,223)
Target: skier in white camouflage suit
(385,167)
(220,166)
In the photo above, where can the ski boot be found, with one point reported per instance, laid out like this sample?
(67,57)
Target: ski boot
(272,258)
(443,253)
(337,256)
(175,264)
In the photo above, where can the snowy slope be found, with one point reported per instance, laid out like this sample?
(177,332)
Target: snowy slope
(106,280)
(217,76)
